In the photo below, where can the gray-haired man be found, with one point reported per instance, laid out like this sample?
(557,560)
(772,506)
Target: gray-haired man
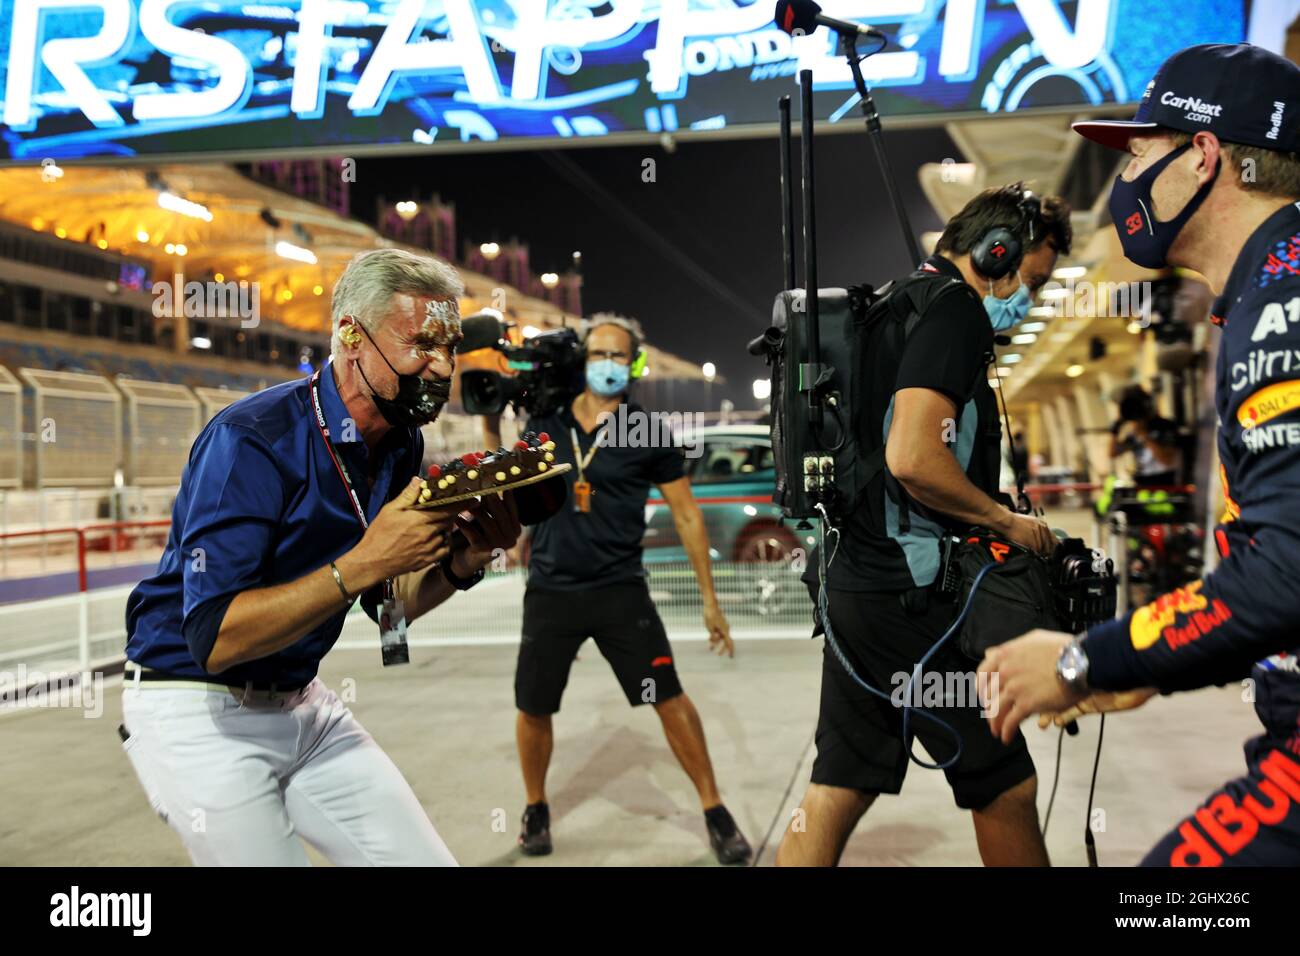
(295,502)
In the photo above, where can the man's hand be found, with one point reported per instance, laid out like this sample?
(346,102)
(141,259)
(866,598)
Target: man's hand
(1018,679)
(1028,531)
(1098,702)
(405,538)
(715,622)
(490,525)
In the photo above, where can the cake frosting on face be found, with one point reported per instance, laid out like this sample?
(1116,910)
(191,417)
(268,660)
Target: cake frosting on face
(481,471)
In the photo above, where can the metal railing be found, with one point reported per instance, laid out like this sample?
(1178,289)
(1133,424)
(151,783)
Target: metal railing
(85,631)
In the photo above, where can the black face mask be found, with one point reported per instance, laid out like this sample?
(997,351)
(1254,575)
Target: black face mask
(419,400)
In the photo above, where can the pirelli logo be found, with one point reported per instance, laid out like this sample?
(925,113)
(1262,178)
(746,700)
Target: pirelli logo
(1268,403)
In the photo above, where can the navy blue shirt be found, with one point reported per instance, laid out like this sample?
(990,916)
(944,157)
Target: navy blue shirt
(574,551)
(261,503)
(1247,609)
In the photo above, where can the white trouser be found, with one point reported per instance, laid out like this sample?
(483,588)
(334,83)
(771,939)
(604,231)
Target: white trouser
(240,776)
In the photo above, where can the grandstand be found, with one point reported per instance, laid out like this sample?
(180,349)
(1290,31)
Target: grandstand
(106,376)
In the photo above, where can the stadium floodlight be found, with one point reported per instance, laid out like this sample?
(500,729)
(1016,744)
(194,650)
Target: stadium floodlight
(201,342)
(287,250)
(175,203)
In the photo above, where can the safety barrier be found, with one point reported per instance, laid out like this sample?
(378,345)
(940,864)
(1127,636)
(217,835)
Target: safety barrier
(85,631)
(64,592)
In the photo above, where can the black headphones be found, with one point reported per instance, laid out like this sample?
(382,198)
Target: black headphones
(999,251)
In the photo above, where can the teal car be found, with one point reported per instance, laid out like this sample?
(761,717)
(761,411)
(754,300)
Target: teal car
(732,477)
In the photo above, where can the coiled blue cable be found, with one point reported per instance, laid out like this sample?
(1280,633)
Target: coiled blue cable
(916,672)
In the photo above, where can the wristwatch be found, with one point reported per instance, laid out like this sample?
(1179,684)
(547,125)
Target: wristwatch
(459,583)
(1072,666)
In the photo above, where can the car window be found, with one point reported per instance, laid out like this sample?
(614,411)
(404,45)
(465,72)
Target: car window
(730,461)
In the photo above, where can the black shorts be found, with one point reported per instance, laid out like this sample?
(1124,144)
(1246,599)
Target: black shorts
(860,736)
(623,621)
(1251,821)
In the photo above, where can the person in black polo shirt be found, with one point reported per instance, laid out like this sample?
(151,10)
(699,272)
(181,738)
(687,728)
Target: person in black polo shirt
(937,411)
(585,579)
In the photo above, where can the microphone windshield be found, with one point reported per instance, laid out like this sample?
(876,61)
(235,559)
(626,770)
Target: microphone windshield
(801,15)
(480,332)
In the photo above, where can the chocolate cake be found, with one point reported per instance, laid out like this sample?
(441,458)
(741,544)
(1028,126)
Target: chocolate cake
(481,471)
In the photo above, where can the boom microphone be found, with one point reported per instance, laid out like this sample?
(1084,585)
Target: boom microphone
(806,16)
(481,331)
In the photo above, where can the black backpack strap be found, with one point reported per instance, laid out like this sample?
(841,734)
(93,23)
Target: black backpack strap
(910,300)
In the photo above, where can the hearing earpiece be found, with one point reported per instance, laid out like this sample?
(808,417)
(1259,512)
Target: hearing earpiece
(350,335)
(637,369)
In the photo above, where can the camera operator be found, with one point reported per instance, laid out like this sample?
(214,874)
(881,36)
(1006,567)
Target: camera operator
(1152,440)
(296,502)
(586,579)
(942,464)
(1184,199)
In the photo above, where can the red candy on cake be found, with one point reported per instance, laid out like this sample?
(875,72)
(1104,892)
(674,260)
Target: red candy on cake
(543,437)
(525,459)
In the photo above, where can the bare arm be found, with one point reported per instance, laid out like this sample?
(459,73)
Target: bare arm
(689,522)
(491,431)
(925,466)
(261,621)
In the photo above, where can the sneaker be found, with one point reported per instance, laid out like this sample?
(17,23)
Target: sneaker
(535,838)
(729,844)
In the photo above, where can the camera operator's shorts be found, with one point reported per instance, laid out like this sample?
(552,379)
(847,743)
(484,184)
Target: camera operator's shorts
(860,736)
(623,621)
(1251,821)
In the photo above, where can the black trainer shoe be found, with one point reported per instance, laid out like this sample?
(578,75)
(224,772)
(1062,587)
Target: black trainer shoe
(729,844)
(535,838)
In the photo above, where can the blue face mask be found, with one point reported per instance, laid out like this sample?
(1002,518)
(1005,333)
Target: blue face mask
(607,378)
(1004,313)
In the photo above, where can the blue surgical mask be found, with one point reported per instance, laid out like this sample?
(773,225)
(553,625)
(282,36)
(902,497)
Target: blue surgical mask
(1004,313)
(607,378)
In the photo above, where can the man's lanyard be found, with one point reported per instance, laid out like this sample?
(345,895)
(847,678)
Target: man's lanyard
(583,461)
(339,466)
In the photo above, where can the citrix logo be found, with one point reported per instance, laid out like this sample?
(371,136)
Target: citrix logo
(1191,103)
